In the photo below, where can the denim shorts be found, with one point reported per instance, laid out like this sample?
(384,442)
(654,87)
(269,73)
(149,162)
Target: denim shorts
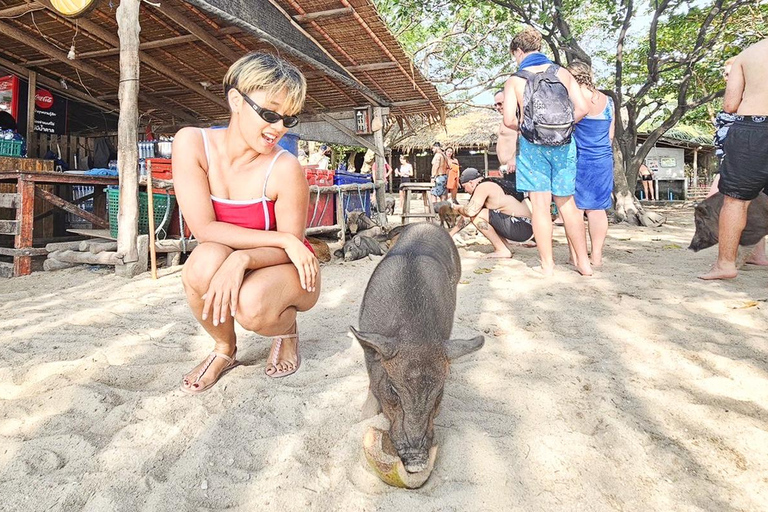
(546,168)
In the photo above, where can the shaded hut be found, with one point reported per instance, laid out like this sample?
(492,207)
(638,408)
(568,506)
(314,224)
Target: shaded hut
(161,65)
(472,135)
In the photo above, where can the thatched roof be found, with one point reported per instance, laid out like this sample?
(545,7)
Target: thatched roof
(343,47)
(476,129)
(684,136)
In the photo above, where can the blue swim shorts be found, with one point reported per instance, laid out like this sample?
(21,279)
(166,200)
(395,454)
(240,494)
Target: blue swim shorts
(440,186)
(546,168)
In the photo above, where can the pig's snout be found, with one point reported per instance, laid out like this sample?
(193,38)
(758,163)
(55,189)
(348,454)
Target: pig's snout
(415,461)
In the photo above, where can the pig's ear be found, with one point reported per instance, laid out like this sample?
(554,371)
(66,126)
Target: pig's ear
(382,345)
(457,348)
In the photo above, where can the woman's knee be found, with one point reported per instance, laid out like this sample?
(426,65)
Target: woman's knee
(203,263)
(254,314)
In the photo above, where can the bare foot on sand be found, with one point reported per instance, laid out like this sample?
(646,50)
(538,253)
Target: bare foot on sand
(585,270)
(596,262)
(499,254)
(548,271)
(757,261)
(717,273)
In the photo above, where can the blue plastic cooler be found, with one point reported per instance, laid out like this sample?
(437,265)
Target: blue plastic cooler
(359,200)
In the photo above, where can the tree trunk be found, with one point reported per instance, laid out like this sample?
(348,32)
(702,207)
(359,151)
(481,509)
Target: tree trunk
(627,209)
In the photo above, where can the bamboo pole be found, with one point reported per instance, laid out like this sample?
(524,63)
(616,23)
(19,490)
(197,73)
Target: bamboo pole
(127,139)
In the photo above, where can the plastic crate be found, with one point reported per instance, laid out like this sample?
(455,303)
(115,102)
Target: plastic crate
(359,200)
(163,205)
(11,147)
(161,168)
(321,207)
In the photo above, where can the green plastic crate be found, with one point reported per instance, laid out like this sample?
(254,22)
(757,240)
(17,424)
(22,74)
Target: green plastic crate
(162,203)
(10,147)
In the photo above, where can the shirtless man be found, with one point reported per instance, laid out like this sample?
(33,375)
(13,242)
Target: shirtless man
(506,145)
(439,175)
(546,172)
(496,215)
(744,172)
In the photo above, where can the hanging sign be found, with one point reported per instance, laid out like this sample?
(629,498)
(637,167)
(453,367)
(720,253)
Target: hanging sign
(50,112)
(363,120)
(73,8)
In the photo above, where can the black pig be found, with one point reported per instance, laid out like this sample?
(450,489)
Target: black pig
(707,218)
(406,319)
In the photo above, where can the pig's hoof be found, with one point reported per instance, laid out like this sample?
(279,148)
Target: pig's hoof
(382,458)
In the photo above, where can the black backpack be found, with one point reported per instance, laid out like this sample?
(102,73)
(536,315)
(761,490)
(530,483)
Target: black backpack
(548,110)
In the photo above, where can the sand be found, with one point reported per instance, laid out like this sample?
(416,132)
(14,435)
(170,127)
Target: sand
(641,388)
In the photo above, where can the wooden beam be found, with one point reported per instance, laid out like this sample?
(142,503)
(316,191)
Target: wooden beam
(183,21)
(376,66)
(151,62)
(8,200)
(31,91)
(69,92)
(410,103)
(71,208)
(331,13)
(350,133)
(9,227)
(127,138)
(42,47)
(19,10)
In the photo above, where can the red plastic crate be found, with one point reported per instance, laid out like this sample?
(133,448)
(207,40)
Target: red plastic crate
(161,168)
(321,211)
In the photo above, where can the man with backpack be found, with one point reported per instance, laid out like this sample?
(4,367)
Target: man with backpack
(496,210)
(548,104)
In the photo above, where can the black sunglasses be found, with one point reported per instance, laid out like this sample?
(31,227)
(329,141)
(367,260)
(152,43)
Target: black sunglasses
(271,116)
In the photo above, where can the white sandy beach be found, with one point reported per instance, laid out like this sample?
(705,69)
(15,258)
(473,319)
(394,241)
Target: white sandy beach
(639,389)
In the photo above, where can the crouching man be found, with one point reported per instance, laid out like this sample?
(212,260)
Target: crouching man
(497,214)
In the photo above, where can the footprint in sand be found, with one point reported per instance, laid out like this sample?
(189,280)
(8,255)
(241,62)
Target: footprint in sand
(39,461)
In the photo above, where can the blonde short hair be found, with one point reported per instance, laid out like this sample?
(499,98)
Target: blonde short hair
(265,72)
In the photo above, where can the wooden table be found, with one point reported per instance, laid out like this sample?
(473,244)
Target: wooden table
(23,201)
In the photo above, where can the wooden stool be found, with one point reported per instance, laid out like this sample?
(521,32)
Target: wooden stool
(423,189)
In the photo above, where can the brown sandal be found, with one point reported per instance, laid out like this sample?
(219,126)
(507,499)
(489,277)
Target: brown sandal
(274,355)
(232,363)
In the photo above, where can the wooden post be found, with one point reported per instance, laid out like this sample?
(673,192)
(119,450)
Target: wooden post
(378,139)
(128,29)
(25,215)
(485,161)
(31,112)
(695,168)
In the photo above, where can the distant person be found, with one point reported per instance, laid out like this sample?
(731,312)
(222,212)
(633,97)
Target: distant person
(439,174)
(594,159)
(506,142)
(453,174)
(744,173)
(321,158)
(405,172)
(646,176)
(546,160)
(497,215)
(7,122)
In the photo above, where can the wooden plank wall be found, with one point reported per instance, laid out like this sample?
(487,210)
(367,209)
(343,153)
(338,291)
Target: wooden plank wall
(69,147)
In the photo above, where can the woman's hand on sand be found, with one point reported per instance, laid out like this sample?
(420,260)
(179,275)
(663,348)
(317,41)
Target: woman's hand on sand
(221,298)
(305,263)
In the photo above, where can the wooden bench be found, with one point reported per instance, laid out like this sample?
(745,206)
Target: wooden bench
(416,188)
